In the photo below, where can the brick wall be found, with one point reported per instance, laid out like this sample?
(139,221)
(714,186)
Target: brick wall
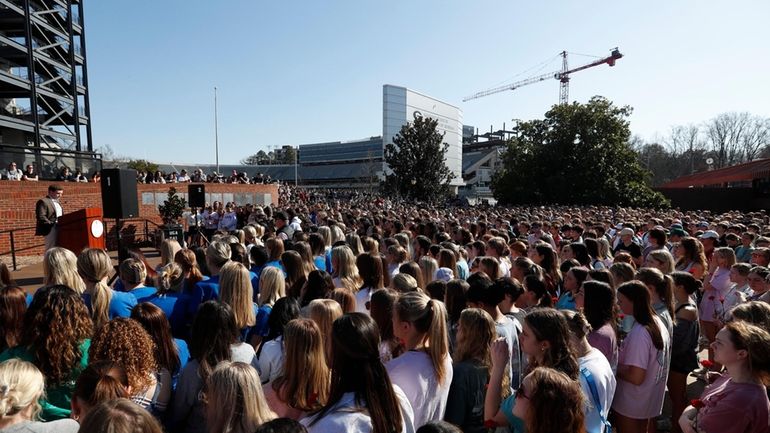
(17,205)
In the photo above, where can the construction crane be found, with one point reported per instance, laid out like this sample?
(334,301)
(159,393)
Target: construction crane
(563,76)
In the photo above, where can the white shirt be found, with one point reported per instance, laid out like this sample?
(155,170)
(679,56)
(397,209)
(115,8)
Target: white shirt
(57,206)
(270,363)
(362,297)
(604,379)
(349,417)
(413,373)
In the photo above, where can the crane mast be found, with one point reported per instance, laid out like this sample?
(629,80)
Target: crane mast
(562,75)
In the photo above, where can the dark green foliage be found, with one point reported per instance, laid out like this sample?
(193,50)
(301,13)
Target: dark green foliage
(142,165)
(172,208)
(416,159)
(579,154)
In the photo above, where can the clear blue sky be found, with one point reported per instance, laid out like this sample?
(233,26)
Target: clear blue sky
(294,72)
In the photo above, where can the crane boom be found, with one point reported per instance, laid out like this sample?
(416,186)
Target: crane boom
(563,76)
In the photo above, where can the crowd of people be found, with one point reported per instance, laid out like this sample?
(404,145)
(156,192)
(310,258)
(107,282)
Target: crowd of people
(349,312)
(199,176)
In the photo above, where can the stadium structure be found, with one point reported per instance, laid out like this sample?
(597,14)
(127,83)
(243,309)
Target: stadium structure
(44,104)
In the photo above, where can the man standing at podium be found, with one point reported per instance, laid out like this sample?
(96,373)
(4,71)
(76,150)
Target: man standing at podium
(47,211)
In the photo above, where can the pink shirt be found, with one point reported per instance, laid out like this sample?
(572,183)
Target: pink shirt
(605,340)
(280,407)
(734,408)
(643,401)
(710,306)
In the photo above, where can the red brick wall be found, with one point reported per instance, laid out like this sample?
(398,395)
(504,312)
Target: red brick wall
(17,205)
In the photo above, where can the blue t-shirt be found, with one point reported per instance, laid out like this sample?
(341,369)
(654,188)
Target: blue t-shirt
(260,327)
(248,332)
(143,293)
(206,290)
(121,303)
(517,424)
(179,311)
(276,264)
(184,353)
(566,302)
(320,262)
(254,282)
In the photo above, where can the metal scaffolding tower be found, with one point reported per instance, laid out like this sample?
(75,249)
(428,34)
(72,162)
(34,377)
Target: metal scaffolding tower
(44,104)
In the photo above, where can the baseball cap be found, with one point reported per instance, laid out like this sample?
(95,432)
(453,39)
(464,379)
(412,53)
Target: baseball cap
(677,231)
(703,224)
(709,234)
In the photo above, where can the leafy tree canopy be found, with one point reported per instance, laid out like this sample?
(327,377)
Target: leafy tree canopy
(577,154)
(416,162)
(142,165)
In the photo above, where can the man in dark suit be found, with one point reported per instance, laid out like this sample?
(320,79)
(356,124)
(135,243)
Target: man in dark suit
(47,212)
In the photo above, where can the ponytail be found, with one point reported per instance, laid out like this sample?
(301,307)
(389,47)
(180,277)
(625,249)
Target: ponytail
(94,266)
(662,284)
(536,285)
(101,296)
(101,381)
(429,318)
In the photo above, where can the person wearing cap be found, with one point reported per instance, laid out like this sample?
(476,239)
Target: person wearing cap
(282,229)
(627,244)
(710,240)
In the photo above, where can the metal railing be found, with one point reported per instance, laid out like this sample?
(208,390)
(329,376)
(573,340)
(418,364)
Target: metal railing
(148,235)
(13,250)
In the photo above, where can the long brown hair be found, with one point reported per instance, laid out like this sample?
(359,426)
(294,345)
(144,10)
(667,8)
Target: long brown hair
(556,403)
(663,285)
(13,305)
(478,333)
(356,368)
(549,325)
(639,295)
(55,325)
(304,383)
(187,261)
(156,324)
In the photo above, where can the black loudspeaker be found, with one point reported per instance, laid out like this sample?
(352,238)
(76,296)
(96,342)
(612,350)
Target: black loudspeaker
(119,193)
(196,195)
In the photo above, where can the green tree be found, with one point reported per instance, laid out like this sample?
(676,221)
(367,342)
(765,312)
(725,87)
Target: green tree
(416,162)
(259,158)
(142,165)
(172,208)
(577,154)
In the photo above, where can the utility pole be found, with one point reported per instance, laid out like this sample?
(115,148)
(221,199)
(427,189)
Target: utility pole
(216,130)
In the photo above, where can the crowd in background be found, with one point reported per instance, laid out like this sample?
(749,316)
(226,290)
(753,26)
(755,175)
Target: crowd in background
(350,312)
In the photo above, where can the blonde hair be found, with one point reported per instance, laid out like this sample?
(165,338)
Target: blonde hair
(324,312)
(21,385)
(403,283)
(94,266)
(217,254)
(344,264)
(429,318)
(428,268)
(251,233)
(728,254)
(236,403)
(326,234)
(664,257)
(132,272)
(337,235)
(60,267)
(235,290)
(169,278)
(272,286)
(168,249)
(304,383)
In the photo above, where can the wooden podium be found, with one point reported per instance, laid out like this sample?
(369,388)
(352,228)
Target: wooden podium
(83,228)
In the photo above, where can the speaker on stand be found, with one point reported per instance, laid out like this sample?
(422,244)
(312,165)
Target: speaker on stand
(119,200)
